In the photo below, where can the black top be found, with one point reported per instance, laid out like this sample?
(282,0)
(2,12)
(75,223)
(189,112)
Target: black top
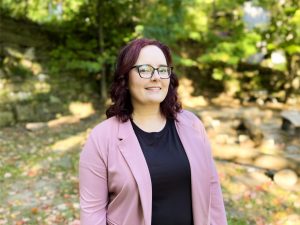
(170,175)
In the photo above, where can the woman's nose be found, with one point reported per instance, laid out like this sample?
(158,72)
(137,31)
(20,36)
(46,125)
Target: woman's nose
(155,75)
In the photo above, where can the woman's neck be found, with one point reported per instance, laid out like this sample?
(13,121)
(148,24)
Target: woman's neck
(149,119)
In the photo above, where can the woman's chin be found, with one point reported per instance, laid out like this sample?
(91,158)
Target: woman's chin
(153,101)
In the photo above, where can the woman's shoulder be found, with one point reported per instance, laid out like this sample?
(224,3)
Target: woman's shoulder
(188,115)
(192,119)
(105,127)
(98,139)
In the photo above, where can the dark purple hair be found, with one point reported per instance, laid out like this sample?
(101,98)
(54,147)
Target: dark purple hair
(121,101)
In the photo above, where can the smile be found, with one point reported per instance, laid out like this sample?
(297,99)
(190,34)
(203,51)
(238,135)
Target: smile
(153,88)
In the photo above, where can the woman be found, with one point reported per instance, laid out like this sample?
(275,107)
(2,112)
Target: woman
(150,162)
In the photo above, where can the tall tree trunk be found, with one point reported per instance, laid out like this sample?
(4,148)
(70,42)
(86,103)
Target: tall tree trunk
(60,6)
(50,8)
(100,43)
(26,8)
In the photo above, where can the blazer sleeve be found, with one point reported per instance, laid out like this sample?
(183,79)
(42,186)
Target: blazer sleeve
(92,184)
(217,208)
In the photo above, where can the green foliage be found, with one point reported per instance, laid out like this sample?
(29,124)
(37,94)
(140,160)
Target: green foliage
(43,11)
(232,52)
(76,55)
(18,72)
(205,35)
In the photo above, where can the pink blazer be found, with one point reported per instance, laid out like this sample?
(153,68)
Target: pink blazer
(115,184)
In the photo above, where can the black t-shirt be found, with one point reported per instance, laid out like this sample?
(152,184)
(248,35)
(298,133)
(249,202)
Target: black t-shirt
(170,175)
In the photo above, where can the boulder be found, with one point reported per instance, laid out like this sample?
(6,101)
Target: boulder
(290,120)
(285,178)
(271,162)
(227,152)
(260,176)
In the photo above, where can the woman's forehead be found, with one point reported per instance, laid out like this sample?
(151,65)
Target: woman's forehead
(152,55)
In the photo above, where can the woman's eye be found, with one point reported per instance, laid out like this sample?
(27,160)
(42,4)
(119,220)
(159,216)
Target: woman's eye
(163,69)
(145,69)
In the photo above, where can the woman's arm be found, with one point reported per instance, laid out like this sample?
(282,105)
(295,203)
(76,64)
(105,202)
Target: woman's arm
(217,209)
(92,185)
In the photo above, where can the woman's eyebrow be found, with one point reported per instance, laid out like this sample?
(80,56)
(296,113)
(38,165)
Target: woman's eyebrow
(148,64)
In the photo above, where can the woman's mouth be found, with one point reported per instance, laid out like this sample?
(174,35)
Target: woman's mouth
(153,88)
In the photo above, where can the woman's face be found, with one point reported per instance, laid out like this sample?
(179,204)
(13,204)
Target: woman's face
(148,91)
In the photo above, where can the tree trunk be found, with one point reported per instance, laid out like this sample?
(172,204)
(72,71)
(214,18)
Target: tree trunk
(292,69)
(100,43)
(26,8)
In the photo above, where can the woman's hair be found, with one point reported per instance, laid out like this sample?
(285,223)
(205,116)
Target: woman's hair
(121,101)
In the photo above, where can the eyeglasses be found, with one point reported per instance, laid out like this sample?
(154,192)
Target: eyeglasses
(146,71)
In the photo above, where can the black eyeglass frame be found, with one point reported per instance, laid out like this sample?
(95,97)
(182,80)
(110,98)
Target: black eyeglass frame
(138,66)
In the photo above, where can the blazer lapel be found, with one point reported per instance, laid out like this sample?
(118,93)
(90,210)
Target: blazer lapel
(200,177)
(133,155)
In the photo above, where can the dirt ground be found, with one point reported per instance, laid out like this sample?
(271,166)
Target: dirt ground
(39,180)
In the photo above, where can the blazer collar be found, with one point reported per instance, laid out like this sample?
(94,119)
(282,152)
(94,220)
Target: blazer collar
(132,153)
(194,148)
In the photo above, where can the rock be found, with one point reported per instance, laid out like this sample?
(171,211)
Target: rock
(269,146)
(252,128)
(82,110)
(294,157)
(285,178)
(293,117)
(225,99)
(244,161)
(222,138)
(260,176)
(291,121)
(243,138)
(271,162)
(215,123)
(292,149)
(294,162)
(227,152)
(246,153)
(247,144)
(35,126)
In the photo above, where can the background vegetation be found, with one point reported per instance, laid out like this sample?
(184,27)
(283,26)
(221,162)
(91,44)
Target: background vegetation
(223,45)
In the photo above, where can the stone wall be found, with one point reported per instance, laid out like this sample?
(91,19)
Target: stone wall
(28,91)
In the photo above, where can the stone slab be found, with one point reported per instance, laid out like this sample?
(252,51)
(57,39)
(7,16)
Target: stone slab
(292,116)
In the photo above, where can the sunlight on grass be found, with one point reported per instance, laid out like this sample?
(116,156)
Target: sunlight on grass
(62,121)
(69,143)
(235,221)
